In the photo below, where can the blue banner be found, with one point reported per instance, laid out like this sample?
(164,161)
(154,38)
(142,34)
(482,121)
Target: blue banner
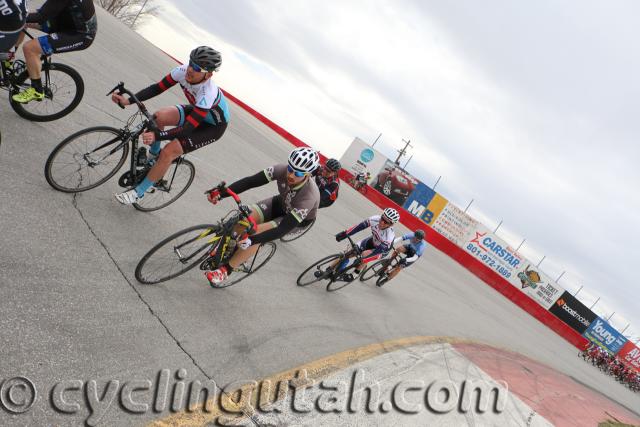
(419,199)
(605,335)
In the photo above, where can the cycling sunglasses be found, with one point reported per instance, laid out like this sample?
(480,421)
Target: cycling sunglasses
(196,67)
(295,172)
(386,221)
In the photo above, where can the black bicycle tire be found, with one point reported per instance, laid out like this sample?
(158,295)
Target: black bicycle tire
(70,138)
(158,246)
(315,264)
(336,285)
(364,275)
(192,168)
(77,79)
(226,284)
(297,236)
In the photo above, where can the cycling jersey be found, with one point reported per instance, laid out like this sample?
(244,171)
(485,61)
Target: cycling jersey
(209,104)
(328,190)
(13,14)
(296,206)
(382,240)
(66,16)
(414,250)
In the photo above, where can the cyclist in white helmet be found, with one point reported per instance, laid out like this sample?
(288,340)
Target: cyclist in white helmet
(375,246)
(295,205)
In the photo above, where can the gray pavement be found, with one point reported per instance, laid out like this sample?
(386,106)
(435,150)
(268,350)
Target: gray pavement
(72,309)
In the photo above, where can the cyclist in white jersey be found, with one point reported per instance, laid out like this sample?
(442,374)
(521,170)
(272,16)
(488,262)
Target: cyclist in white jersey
(199,123)
(375,246)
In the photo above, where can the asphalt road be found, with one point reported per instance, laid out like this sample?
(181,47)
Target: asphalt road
(72,309)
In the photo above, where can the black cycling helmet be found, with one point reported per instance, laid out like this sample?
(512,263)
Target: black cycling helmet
(333,165)
(418,234)
(206,58)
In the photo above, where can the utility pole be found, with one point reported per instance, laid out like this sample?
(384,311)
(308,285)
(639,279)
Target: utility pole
(403,151)
(405,165)
(594,304)
(374,142)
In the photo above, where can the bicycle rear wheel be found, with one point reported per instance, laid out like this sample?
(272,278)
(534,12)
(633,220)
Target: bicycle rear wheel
(308,276)
(373,270)
(177,254)
(297,232)
(62,93)
(86,159)
(169,188)
(264,254)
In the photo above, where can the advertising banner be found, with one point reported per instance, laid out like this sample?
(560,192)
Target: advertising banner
(537,285)
(493,252)
(454,224)
(630,355)
(605,335)
(425,203)
(572,312)
(394,182)
(360,157)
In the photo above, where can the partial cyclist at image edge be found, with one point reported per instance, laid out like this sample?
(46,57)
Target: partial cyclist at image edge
(13,16)
(71,25)
(295,205)
(328,182)
(199,123)
(381,240)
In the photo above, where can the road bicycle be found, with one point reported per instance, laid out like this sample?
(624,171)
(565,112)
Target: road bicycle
(90,157)
(297,232)
(63,88)
(207,245)
(381,269)
(337,276)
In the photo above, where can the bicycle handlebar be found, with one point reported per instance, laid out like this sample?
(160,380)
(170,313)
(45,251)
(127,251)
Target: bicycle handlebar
(124,91)
(244,210)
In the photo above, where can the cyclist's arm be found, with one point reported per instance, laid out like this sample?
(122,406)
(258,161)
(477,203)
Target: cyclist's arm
(356,228)
(247,183)
(288,223)
(328,195)
(50,9)
(155,89)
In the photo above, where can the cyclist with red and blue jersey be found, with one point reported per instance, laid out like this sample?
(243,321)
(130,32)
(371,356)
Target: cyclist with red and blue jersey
(328,182)
(374,247)
(199,123)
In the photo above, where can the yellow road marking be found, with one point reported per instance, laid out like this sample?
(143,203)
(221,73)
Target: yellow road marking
(316,371)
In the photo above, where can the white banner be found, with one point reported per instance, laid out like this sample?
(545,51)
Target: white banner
(493,252)
(360,157)
(454,224)
(538,285)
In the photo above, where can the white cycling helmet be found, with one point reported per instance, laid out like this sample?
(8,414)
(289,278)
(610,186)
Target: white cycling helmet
(304,159)
(391,215)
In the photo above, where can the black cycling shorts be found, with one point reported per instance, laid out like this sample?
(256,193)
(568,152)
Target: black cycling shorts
(272,209)
(65,42)
(206,133)
(7,41)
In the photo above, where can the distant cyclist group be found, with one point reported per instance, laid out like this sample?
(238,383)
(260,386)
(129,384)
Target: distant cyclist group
(304,185)
(612,365)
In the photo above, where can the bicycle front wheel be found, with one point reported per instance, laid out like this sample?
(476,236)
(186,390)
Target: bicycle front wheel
(264,254)
(297,232)
(86,159)
(373,270)
(177,254)
(63,90)
(318,271)
(169,188)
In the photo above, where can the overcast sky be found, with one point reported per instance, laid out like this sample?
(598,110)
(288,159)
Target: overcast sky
(530,109)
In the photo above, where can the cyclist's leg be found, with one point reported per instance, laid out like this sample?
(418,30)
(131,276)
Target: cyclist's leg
(169,116)
(395,270)
(264,213)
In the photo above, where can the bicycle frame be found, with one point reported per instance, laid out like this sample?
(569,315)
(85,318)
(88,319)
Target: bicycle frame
(8,75)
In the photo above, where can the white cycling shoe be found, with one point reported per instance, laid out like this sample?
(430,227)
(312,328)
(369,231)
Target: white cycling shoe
(127,197)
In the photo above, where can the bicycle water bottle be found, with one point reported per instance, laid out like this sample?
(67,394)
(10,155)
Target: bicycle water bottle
(141,159)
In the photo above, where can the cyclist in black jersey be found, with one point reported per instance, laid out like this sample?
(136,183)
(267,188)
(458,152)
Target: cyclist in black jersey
(70,25)
(13,14)
(328,182)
